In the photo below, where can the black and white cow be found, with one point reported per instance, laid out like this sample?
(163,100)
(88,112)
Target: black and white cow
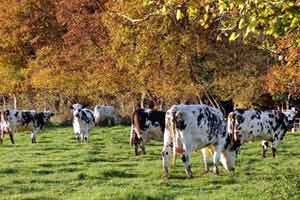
(269,126)
(191,127)
(106,114)
(12,120)
(4,127)
(83,121)
(146,124)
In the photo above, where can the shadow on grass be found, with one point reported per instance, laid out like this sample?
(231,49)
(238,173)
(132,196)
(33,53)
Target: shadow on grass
(42,172)
(69,169)
(118,174)
(40,198)
(138,196)
(8,171)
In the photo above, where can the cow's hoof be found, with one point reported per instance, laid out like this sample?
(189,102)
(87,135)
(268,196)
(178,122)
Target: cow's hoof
(216,171)
(189,175)
(166,173)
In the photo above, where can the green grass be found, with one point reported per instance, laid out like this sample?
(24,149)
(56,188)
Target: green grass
(106,168)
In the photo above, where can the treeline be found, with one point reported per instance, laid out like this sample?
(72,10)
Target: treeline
(124,53)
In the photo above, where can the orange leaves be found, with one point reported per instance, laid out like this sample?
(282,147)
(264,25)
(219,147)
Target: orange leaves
(282,80)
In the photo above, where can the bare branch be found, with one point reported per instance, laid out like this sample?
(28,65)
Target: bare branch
(131,20)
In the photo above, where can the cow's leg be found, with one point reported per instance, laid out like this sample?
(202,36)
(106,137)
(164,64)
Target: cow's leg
(1,136)
(165,160)
(264,145)
(11,136)
(205,161)
(142,145)
(136,149)
(217,156)
(174,155)
(33,136)
(274,148)
(186,160)
(166,152)
(86,135)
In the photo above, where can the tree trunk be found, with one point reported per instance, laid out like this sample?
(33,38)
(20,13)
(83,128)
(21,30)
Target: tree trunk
(143,100)
(4,102)
(15,101)
(45,105)
(288,101)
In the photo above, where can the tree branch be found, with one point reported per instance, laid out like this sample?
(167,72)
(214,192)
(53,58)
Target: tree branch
(131,20)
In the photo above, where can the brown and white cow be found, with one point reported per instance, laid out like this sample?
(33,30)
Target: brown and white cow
(146,125)
(4,127)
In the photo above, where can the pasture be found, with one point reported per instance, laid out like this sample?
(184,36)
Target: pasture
(58,167)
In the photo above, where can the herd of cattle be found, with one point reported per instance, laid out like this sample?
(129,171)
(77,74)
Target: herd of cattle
(183,129)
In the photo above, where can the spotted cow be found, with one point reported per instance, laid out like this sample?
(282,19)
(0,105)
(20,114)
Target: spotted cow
(146,124)
(12,120)
(250,124)
(4,126)
(191,127)
(106,114)
(83,122)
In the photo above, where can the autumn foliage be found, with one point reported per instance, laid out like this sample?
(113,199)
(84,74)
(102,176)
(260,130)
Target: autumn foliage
(121,52)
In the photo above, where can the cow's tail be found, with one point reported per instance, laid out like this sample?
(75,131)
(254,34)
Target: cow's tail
(231,127)
(233,132)
(135,128)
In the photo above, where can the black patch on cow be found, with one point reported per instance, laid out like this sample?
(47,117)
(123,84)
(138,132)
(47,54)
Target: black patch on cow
(85,117)
(27,117)
(271,115)
(240,111)
(240,119)
(280,122)
(156,118)
(183,158)
(271,123)
(200,117)
(180,124)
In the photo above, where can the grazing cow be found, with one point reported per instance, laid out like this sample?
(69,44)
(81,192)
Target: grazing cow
(191,127)
(4,127)
(83,122)
(251,124)
(146,124)
(15,119)
(106,114)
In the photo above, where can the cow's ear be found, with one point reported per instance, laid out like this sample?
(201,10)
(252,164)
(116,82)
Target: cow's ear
(71,107)
(51,114)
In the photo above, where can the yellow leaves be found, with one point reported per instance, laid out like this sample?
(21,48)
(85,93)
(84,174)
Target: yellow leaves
(179,14)
(281,80)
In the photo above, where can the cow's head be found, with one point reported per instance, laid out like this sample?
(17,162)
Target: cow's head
(228,157)
(47,115)
(76,108)
(291,114)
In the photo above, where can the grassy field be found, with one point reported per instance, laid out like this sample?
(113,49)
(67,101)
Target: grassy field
(105,168)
